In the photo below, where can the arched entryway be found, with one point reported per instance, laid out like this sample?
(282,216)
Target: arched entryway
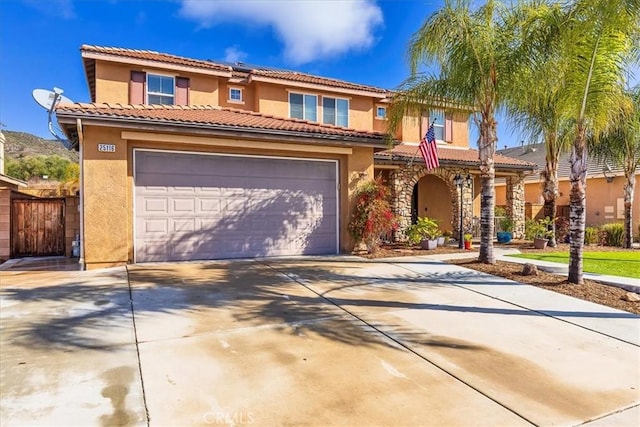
(431,197)
(443,204)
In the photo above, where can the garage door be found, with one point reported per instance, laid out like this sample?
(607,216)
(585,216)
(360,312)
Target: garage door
(199,206)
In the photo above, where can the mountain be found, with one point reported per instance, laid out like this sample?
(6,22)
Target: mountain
(21,145)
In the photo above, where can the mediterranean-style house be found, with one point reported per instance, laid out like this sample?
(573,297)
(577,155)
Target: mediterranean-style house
(193,159)
(605,188)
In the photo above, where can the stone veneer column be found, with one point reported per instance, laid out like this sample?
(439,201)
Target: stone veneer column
(515,203)
(402,182)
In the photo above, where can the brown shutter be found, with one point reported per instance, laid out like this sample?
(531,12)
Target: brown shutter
(182,91)
(136,87)
(424,126)
(448,127)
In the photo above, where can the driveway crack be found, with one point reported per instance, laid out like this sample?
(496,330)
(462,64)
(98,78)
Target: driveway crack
(135,333)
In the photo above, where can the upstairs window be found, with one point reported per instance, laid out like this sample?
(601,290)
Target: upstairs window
(302,106)
(381,112)
(335,111)
(439,124)
(160,89)
(235,94)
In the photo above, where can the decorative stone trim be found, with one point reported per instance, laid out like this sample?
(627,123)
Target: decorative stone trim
(516,203)
(402,182)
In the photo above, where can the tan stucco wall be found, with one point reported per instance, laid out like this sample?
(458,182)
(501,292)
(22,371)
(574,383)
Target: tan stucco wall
(71,222)
(271,99)
(107,199)
(359,169)
(248,96)
(434,201)
(5,224)
(461,130)
(412,130)
(600,195)
(112,82)
(108,195)
(274,99)
(203,90)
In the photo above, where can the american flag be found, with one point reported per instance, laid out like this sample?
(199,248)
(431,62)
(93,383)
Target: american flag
(429,150)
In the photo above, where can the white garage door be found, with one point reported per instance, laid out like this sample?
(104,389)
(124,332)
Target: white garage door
(200,206)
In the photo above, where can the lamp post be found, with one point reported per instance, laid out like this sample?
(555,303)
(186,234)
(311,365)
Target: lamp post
(460,183)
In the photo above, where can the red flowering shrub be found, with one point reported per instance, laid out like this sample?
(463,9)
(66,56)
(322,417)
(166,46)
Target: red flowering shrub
(372,217)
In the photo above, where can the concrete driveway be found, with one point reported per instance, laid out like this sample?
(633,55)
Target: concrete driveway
(310,341)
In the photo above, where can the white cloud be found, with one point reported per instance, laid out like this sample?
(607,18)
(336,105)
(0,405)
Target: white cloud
(309,29)
(57,8)
(233,54)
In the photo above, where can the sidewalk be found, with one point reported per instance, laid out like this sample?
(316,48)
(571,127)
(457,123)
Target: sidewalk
(502,254)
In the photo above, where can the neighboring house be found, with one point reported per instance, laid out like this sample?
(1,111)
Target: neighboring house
(190,159)
(604,191)
(8,185)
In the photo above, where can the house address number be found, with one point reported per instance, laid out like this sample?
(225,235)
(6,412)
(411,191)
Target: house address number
(107,148)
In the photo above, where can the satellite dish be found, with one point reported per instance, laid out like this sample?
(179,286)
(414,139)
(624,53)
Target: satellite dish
(48,100)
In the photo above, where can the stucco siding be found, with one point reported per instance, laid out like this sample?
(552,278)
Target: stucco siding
(434,201)
(108,189)
(460,131)
(112,82)
(203,90)
(359,169)
(603,199)
(248,96)
(106,202)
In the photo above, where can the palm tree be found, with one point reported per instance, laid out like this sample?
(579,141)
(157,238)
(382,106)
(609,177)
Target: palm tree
(596,41)
(536,111)
(621,146)
(471,49)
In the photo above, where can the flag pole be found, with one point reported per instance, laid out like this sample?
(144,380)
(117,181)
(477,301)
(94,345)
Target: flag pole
(414,154)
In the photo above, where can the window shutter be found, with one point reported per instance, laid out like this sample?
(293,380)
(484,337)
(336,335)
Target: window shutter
(182,91)
(424,127)
(448,127)
(136,87)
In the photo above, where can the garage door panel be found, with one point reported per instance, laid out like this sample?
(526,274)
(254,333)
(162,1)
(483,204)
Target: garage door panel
(192,206)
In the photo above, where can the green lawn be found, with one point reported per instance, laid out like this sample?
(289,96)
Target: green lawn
(625,264)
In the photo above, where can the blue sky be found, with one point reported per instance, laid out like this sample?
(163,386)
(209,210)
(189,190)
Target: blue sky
(360,41)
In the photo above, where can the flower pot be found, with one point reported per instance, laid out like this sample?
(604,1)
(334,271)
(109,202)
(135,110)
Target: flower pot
(429,244)
(504,236)
(441,241)
(467,244)
(540,243)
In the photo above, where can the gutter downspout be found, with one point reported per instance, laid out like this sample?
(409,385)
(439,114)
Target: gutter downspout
(81,200)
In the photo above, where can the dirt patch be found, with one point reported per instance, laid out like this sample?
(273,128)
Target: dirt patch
(591,290)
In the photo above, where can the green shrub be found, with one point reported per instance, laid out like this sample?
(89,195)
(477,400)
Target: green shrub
(613,234)
(591,235)
(425,228)
(537,229)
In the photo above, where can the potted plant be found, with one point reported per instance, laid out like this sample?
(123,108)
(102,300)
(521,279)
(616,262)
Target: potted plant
(540,231)
(424,232)
(506,227)
(467,240)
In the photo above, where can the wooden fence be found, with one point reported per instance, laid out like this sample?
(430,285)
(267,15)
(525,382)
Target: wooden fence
(37,227)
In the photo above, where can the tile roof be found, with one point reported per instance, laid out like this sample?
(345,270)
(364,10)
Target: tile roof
(536,153)
(403,152)
(210,116)
(299,77)
(150,55)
